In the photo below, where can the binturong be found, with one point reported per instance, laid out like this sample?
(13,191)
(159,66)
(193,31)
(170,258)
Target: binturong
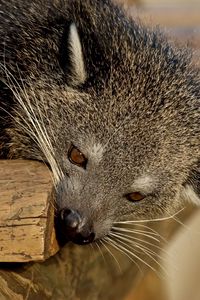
(108,104)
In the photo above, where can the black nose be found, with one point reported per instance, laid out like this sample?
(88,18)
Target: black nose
(74,228)
(71,219)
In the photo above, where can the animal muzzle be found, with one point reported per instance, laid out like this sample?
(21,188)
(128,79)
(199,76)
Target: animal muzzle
(73,227)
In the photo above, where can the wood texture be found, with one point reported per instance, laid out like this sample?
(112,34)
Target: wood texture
(26,213)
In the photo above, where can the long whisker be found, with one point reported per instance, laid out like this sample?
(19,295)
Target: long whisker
(152,220)
(34,128)
(101,252)
(133,231)
(180,222)
(133,242)
(112,255)
(114,245)
(136,245)
(142,226)
(120,245)
(148,253)
(138,231)
(138,239)
(151,229)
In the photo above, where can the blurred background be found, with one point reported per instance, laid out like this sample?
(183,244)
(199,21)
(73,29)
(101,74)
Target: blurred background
(180,19)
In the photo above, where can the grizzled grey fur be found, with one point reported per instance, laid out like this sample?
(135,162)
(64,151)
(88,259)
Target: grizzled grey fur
(81,72)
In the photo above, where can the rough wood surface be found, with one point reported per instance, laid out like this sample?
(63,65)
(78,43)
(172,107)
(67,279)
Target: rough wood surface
(26,212)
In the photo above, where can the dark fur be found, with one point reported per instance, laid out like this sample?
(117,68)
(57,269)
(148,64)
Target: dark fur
(141,94)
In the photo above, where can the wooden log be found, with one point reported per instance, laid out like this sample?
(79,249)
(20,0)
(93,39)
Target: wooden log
(26,214)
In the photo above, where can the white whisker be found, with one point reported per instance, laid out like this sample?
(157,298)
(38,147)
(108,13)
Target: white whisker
(135,242)
(118,247)
(133,225)
(32,126)
(136,245)
(148,253)
(99,248)
(151,220)
(133,231)
(109,251)
(137,239)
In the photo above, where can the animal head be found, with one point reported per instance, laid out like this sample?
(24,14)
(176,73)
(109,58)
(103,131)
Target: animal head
(115,116)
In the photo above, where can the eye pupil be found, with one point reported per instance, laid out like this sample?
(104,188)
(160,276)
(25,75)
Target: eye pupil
(77,157)
(135,196)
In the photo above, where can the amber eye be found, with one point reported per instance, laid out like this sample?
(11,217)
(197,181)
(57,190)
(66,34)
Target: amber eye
(77,157)
(135,196)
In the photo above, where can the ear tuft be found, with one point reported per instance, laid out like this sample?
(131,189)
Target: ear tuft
(190,195)
(78,72)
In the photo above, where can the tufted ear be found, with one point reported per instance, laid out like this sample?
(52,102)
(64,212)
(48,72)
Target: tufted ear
(71,56)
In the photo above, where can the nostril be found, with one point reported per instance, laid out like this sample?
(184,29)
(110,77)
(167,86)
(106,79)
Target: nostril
(71,219)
